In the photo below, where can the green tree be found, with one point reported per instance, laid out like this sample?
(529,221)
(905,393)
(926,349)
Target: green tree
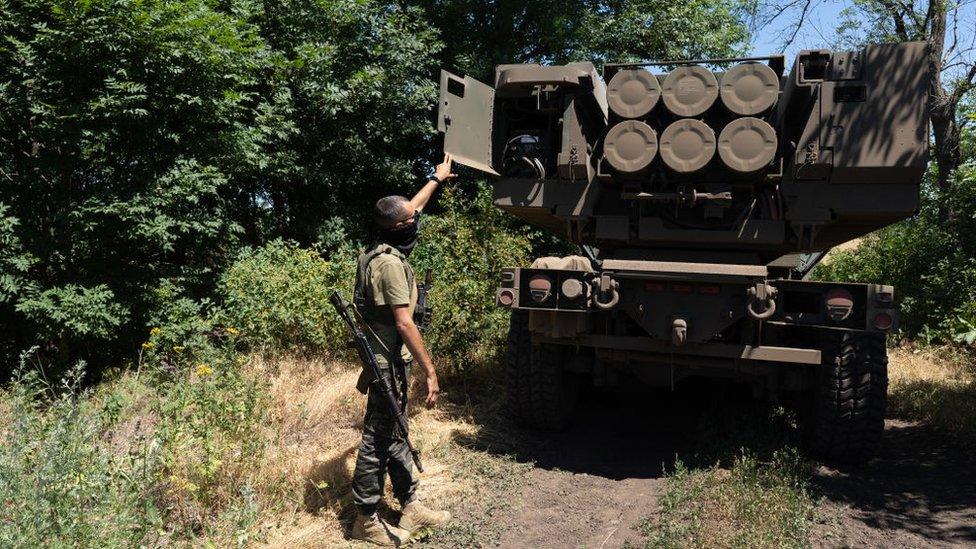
(481,34)
(143,141)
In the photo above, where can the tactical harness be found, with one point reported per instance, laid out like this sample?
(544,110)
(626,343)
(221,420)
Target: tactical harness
(365,302)
(363,293)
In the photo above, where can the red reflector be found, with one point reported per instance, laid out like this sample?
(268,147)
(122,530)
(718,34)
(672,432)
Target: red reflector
(710,290)
(654,286)
(506,298)
(883,321)
(681,288)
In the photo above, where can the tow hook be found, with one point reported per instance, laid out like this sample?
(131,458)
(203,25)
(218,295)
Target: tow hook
(604,285)
(679,332)
(764,296)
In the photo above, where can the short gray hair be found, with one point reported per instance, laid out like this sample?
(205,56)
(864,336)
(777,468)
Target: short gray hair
(389,210)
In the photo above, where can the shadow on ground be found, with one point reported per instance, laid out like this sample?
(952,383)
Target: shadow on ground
(919,491)
(638,432)
(921,483)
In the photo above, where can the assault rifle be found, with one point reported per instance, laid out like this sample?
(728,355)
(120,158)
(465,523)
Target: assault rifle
(349,314)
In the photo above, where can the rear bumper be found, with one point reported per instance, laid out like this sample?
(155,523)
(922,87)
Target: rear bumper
(655,349)
(691,308)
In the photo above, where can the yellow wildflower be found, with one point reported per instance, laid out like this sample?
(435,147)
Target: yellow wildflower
(155,331)
(179,348)
(241,360)
(148,345)
(232,330)
(204,370)
(181,483)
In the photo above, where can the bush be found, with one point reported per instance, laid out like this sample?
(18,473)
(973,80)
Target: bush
(931,263)
(182,330)
(466,247)
(210,421)
(60,486)
(277,296)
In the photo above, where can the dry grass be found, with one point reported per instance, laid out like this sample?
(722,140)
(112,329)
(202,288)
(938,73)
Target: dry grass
(316,414)
(938,365)
(937,386)
(293,488)
(848,246)
(5,415)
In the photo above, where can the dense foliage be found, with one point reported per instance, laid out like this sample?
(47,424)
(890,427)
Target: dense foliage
(143,144)
(482,34)
(931,263)
(275,297)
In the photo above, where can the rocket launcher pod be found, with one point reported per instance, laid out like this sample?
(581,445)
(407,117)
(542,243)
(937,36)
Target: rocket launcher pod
(749,89)
(687,145)
(689,90)
(633,93)
(630,146)
(793,158)
(747,145)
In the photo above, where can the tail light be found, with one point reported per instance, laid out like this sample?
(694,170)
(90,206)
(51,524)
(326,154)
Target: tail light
(839,303)
(883,321)
(506,297)
(540,288)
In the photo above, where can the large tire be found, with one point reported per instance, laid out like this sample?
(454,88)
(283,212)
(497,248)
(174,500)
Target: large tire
(518,358)
(851,397)
(540,392)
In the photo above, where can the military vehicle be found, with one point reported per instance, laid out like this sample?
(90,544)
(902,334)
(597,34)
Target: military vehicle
(701,193)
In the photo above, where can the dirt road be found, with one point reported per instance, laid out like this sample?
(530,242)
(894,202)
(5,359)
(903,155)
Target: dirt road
(591,485)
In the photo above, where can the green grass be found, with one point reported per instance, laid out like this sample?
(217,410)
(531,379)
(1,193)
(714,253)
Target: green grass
(62,485)
(747,486)
(753,503)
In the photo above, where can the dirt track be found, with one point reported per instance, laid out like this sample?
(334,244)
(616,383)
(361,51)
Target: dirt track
(593,484)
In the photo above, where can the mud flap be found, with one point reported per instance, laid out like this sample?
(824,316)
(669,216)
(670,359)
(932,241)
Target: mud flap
(465,116)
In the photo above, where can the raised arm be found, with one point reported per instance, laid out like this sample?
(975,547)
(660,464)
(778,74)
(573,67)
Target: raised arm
(441,174)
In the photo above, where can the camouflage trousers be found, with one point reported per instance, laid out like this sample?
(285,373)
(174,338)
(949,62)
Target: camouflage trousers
(382,451)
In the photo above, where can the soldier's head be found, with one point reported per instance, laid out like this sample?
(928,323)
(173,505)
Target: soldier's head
(393,212)
(399,222)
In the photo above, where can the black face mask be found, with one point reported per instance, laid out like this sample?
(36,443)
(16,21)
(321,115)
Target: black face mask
(404,238)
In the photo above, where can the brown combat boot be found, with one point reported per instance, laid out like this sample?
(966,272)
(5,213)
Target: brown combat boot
(376,530)
(416,516)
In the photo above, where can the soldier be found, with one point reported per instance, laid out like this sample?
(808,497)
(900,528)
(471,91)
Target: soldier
(387,295)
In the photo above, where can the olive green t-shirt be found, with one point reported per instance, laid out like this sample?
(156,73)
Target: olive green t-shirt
(388,281)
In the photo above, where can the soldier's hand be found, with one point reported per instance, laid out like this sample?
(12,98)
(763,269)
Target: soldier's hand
(443,170)
(433,389)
